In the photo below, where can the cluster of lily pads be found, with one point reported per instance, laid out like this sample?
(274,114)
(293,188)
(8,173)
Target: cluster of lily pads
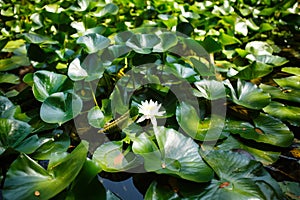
(76,80)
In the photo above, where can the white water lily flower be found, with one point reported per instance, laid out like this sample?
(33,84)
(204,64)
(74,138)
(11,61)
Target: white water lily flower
(150,110)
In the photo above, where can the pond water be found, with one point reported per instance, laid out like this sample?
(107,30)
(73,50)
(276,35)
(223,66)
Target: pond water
(125,189)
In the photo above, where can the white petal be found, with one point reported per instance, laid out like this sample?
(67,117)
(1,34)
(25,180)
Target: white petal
(142,118)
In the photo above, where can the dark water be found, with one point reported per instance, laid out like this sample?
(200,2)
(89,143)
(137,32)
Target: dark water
(125,189)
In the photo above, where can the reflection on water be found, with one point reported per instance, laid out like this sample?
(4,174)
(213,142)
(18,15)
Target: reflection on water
(124,189)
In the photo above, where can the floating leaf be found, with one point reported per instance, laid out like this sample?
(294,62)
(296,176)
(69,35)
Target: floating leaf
(13,62)
(9,78)
(278,93)
(206,129)
(249,95)
(38,39)
(259,48)
(239,178)
(291,82)
(60,107)
(96,117)
(109,8)
(284,112)
(46,83)
(266,129)
(12,133)
(266,157)
(291,70)
(111,157)
(75,71)
(93,42)
(168,40)
(143,43)
(26,179)
(176,155)
(211,89)
(255,70)
(7,108)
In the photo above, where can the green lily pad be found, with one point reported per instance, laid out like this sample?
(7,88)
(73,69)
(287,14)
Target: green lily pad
(266,157)
(291,70)
(210,89)
(93,65)
(284,112)
(9,78)
(60,107)
(168,40)
(26,179)
(206,129)
(255,70)
(249,95)
(259,48)
(143,43)
(75,71)
(239,178)
(109,8)
(111,157)
(291,82)
(14,62)
(7,108)
(46,83)
(96,117)
(175,154)
(12,133)
(38,39)
(266,129)
(278,93)
(93,42)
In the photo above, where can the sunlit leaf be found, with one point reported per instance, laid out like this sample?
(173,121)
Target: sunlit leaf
(266,129)
(266,157)
(26,179)
(46,83)
(284,112)
(60,107)
(168,157)
(249,95)
(93,42)
(75,71)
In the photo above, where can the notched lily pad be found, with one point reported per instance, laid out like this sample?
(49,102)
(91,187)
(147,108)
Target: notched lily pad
(175,154)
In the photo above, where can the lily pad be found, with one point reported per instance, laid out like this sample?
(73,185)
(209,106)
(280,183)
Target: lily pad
(60,107)
(266,129)
(266,157)
(46,83)
(93,42)
(26,179)
(284,112)
(111,157)
(249,95)
(281,93)
(168,40)
(12,133)
(239,178)
(75,71)
(143,43)
(175,154)
(211,89)
(291,82)
(207,129)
